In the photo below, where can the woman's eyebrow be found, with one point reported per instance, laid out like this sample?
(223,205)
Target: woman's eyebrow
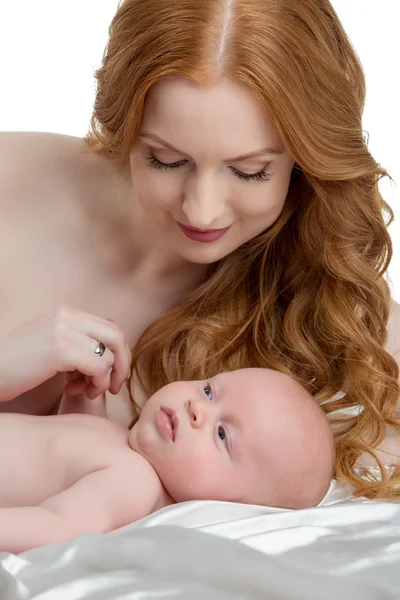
(156,138)
(254,154)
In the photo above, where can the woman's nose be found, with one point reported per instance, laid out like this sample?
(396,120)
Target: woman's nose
(204,206)
(197,412)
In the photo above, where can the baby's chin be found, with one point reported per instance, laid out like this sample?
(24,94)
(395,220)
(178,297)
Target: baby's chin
(138,442)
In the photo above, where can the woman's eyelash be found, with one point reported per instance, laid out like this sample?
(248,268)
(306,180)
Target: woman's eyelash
(260,176)
(154,163)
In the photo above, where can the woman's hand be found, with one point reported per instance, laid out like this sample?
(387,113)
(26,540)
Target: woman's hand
(64,341)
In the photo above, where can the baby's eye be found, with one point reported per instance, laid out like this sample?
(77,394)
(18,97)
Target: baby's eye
(208,392)
(221,434)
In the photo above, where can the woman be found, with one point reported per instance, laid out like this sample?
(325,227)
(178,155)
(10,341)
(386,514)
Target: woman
(225,213)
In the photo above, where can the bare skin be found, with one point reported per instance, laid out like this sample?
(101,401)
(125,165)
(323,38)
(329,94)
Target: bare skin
(61,252)
(106,238)
(66,475)
(75,230)
(62,265)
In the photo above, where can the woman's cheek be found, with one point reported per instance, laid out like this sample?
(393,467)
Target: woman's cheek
(262,204)
(160,192)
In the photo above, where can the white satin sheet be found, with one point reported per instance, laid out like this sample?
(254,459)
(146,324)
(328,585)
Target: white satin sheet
(345,549)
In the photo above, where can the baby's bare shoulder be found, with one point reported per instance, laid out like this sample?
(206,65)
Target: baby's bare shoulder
(133,464)
(138,490)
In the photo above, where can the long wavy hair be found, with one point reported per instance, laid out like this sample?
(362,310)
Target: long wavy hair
(308,296)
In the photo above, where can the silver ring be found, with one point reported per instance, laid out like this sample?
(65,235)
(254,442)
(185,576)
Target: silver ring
(100,349)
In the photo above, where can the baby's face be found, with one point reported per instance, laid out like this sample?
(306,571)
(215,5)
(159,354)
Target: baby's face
(235,437)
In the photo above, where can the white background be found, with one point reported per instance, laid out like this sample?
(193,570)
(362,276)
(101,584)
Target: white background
(50,48)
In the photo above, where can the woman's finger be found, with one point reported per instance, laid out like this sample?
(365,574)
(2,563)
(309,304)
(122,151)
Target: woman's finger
(98,386)
(71,375)
(76,386)
(89,344)
(88,331)
(78,358)
(92,387)
(114,340)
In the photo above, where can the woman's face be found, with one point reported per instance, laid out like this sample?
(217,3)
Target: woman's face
(209,171)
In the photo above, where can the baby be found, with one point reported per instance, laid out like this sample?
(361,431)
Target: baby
(251,436)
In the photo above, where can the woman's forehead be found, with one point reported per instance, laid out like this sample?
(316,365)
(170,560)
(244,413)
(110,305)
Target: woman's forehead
(177,106)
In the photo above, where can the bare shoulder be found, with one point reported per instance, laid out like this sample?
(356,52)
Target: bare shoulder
(135,464)
(108,498)
(35,149)
(32,167)
(136,491)
(38,169)
(34,142)
(393,341)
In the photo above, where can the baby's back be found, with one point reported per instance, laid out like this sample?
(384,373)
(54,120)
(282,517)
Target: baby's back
(42,456)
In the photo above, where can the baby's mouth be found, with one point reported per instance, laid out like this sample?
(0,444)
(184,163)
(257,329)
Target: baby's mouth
(173,420)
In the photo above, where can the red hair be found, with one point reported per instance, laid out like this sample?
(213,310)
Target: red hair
(307,297)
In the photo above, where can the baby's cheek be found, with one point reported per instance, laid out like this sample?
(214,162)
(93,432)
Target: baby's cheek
(194,478)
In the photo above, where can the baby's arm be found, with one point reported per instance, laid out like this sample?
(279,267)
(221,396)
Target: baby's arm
(101,501)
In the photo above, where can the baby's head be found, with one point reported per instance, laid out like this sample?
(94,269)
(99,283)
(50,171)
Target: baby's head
(253,436)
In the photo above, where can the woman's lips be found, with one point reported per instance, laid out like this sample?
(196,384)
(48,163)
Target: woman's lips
(202,235)
(167,422)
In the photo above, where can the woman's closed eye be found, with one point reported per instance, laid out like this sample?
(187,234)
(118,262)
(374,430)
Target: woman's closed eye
(262,175)
(154,163)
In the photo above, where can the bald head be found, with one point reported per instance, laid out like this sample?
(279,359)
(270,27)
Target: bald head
(307,458)
(293,441)
(252,435)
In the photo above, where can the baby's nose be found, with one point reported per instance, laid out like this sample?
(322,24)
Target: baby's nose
(197,412)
